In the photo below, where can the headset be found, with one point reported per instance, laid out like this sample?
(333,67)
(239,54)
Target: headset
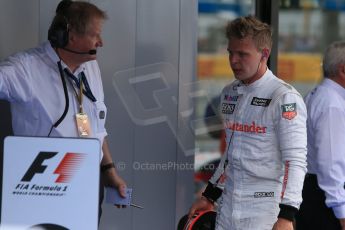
(59,29)
(58,38)
(58,33)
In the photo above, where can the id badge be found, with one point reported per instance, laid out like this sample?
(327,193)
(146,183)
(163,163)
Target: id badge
(83,124)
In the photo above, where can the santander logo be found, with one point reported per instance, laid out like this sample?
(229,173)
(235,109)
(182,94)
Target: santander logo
(247,128)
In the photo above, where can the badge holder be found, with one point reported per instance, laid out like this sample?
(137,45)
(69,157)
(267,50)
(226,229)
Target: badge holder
(82,120)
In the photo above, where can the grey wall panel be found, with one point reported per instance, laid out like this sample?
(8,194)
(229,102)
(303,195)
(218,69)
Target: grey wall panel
(46,13)
(157,32)
(187,81)
(19,25)
(117,56)
(157,49)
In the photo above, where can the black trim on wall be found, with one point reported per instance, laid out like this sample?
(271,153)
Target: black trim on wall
(268,11)
(5,130)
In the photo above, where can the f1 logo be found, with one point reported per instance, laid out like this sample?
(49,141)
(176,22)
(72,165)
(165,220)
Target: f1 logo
(65,169)
(37,166)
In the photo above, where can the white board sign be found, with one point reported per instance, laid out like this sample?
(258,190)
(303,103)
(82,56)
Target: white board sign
(52,183)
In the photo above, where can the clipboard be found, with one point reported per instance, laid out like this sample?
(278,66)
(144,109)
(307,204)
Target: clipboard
(113,197)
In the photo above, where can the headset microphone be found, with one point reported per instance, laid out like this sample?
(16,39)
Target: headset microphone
(90,52)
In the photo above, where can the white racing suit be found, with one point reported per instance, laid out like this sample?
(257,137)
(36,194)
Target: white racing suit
(265,126)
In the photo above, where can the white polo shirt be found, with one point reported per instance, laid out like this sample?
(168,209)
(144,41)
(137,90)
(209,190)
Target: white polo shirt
(326,142)
(31,82)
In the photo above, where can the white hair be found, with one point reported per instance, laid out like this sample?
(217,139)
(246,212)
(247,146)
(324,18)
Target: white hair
(334,56)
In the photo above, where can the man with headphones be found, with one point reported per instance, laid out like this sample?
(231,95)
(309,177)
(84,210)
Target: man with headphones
(55,89)
(264,164)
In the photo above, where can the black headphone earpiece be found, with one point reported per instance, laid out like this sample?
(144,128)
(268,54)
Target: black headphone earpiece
(59,29)
(58,33)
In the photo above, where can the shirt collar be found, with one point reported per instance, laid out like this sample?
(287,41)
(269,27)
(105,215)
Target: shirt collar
(335,86)
(53,55)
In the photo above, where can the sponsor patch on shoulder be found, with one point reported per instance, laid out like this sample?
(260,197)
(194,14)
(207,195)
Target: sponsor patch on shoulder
(289,111)
(263,194)
(260,101)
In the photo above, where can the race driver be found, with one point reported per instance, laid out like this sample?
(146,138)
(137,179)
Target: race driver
(265,121)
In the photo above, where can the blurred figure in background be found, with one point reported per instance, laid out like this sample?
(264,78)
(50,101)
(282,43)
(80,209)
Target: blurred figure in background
(323,205)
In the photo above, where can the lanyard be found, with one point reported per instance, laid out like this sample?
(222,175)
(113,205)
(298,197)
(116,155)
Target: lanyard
(87,90)
(80,97)
(82,121)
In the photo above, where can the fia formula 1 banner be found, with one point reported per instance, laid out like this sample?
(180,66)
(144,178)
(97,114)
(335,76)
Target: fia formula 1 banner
(50,183)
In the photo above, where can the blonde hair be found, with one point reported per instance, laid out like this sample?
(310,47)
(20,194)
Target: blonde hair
(243,27)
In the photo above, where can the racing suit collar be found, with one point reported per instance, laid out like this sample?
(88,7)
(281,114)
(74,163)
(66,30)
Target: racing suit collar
(242,88)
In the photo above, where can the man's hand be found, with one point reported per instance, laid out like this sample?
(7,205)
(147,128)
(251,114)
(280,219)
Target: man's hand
(342,223)
(283,224)
(110,177)
(200,205)
(121,188)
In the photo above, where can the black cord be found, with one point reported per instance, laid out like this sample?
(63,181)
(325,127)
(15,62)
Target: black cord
(57,123)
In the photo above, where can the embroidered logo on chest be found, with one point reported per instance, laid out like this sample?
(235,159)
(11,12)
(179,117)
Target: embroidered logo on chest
(264,102)
(228,108)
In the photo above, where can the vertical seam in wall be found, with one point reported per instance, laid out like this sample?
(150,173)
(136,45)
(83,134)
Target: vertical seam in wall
(178,110)
(39,20)
(134,125)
